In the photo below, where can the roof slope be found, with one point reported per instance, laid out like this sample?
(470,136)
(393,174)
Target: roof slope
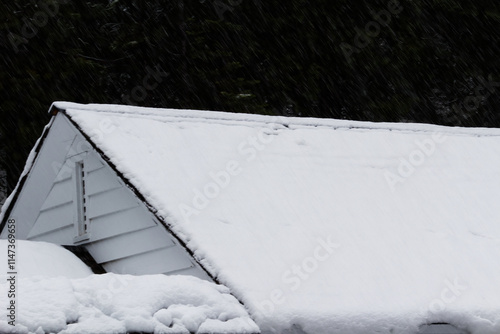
(322,223)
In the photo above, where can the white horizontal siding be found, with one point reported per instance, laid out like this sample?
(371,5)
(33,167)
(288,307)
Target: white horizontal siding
(195,271)
(129,244)
(155,262)
(52,220)
(100,180)
(110,202)
(58,195)
(42,175)
(123,235)
(61,236)
(118,223)
(93,162)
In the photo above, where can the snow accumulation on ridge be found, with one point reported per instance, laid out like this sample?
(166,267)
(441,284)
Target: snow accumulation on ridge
(321,224)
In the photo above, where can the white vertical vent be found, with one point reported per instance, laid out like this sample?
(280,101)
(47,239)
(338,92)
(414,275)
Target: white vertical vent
(81,203)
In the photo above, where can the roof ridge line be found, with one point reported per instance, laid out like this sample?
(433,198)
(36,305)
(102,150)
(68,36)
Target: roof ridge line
(289,122)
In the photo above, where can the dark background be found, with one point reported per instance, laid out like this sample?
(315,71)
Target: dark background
(431,63)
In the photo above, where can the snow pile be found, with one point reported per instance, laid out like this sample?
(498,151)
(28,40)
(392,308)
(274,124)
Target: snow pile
(43,259)
(321,224)
(110,303)
(113,303)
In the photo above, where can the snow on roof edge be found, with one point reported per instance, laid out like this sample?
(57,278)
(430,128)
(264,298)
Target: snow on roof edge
(223,116)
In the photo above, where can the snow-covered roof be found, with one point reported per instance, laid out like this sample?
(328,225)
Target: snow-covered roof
(321,223)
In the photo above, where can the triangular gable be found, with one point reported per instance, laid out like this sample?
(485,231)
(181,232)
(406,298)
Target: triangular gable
(123,235)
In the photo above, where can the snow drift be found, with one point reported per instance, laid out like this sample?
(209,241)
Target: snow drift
(57,293)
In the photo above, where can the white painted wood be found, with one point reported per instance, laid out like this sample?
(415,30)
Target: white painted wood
(118,223)
(100,180)
(53,219)
(122,233)
(62,236)
(80,199)
(44,171)
(195,271)
(93,162)
(65,172)
(59,195)
(129,244)
(155,262)
(111,201)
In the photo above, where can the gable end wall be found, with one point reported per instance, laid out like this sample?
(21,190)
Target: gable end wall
(123,235)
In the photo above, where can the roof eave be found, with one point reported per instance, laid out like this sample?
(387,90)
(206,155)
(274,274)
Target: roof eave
(54,110)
